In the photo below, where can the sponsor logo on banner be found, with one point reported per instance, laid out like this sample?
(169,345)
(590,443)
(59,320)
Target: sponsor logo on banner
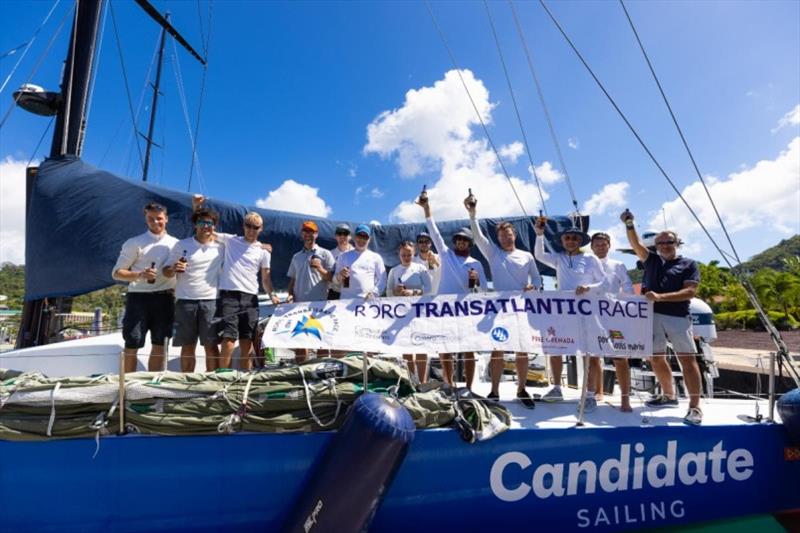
(514,477)
(372,333)
(500,334)
(316,322)
(552,339)
(418,339)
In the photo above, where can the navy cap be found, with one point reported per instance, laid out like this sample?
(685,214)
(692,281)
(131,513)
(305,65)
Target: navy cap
(343,228)
(423,235)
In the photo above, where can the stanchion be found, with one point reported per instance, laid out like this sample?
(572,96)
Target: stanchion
(366,372)
(583,390)
(122,392)
(772,386)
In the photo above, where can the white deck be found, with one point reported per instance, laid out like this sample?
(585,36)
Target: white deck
(716,412)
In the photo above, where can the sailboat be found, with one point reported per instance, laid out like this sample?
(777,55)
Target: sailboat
(617,472)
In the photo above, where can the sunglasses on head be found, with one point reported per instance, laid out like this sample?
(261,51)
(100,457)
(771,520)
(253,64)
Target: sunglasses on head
(569,237)
(665,243)
(342,234)
(204,223)
(251,226)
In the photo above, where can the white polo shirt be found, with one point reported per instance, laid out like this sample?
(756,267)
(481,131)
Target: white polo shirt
(243,262)
(617,278)
(139,253)
(203,267)
(367,273)
(572,270)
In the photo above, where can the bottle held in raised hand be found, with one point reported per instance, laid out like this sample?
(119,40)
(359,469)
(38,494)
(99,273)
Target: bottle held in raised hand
(541,220)
(471,200)
(423,196)
(627,216)
(152,267)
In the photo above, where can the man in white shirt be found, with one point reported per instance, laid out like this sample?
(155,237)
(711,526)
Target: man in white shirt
(310,272)
(361,272)
(149,304)
(461,274)
(429,259)
(617,282)
(512,270)
(237,308)
(342,235)
(196,263)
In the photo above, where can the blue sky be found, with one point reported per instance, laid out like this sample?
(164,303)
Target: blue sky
(355,100)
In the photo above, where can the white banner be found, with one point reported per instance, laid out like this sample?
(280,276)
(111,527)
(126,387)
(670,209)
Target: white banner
(552,322)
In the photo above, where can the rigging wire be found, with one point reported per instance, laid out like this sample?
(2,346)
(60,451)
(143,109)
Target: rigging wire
(633,131)
(138,105)
(182,93)
(68,102)
(39,62)
(516,107)
(680,131)
(95,67)
(127,88)
(475,107)
(202,94)
(38,144)
(27,46)
(547,116)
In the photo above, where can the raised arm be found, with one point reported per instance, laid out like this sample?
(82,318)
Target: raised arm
(483,244)
(436,237)
(547,258)
(639,249)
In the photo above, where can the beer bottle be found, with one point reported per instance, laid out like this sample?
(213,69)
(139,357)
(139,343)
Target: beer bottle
(346,280)
(152,266)
(473,282)
(471,200)
(423,196)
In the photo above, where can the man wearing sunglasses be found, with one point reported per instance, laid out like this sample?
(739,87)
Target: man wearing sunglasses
(670,282)
(244,258)
(342,235)
(196,263)
(429,259)
(149,304)
(461,274)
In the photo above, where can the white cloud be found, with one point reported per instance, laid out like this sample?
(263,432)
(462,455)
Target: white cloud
(765,196)
(574,143)
(297,198)
(376,193)
(12,211)
(791,118)
(611,196)
(432,131)
(547,174)
(374,222)
(511,151)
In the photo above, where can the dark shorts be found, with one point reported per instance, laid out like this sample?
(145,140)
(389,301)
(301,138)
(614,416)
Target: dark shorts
(193,319)
(148,311)
(239,314)
(334,295)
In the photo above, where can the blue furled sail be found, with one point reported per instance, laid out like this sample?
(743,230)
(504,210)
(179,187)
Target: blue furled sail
(78,217)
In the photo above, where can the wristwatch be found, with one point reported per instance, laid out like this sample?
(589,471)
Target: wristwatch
(629,223)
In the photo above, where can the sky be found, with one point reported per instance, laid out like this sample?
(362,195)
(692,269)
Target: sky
(345,110)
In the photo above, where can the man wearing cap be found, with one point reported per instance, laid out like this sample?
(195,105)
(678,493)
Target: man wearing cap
(461,274)
(575,271)
(670,282)
(196,263)
(244,258)
(310,272)
(429,259)
(361,271)
(512,270)
(150,302)
(342,234)
(617,282)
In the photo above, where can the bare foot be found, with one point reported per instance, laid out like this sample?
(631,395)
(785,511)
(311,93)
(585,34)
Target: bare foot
(625,407)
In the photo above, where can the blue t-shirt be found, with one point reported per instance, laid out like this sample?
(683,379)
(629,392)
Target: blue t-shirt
(669,276)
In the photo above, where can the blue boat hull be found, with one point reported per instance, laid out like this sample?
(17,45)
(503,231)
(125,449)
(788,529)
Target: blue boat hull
(245,482)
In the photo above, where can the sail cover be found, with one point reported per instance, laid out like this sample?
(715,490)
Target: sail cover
(78,217)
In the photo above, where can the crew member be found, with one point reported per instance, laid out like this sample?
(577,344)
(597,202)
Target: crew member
(574,271)
(244,258)
(617,282)
(342,235)
(361,271)
(512,270)
(150,302)
(196,263)
(310,272)
(429,259)
(410,279)
(461,274)
(670,282)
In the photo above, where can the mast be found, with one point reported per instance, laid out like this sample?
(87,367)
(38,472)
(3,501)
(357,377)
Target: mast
(154,105)
(37,315)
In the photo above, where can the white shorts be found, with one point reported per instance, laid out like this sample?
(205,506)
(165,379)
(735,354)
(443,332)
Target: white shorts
(675,329)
